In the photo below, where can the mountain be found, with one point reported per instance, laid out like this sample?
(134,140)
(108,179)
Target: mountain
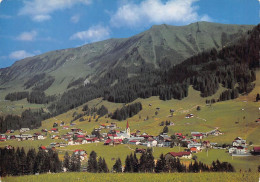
(161,45)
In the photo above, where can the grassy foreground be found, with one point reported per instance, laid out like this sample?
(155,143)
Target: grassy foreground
(194,177)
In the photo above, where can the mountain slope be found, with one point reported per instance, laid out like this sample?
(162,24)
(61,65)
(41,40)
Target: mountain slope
(161,45)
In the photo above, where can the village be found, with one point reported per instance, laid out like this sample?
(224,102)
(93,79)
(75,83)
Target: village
(194,143)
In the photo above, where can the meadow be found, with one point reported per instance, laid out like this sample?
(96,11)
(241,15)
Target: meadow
(234,118)
(173,177)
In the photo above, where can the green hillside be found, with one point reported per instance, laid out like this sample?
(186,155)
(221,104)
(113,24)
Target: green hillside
(162,44)
(223,115)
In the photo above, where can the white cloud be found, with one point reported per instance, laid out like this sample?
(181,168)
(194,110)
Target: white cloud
(40,18)
(156,11)
(27,36)
(40,10)
(93,34)
(75,18)
(21,54)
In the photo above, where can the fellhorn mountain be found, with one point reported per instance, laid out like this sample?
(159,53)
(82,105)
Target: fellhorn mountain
(60,70)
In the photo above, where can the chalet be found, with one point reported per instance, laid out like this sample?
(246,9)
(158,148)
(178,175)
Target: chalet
(26,137)
(108,142)
(163,137)
(167,142)
(2,139)
(113,142)
(43,148)
(206,144)
(24,130)
(241,150)
(194,150)
(54,130)
(238,142)
(134,142)
(12,137)
(196,145)
(151,142)
(256,151)
(258,120)
(117,141)
(71,142)
(82,153)
(197,136)
(77,142)
(74,130)
(184,155)
(80,136)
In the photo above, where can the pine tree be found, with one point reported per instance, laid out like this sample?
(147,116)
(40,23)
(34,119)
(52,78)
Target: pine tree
(127,164)
(66,162)
(100,165)
(104,166)
(92,162)
(118,166)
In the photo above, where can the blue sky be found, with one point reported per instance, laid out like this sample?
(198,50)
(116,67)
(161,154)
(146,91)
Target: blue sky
(32,27)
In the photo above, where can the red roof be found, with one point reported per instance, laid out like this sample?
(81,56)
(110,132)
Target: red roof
(43,147)
(80,136)
(258,120)
(118,140)
(2,138)
(197,134)
(78,150)
(108,141)
(179,154)
(179,134)
(133,141)
(256,149)
(54,129)
(240,147)
(193,149)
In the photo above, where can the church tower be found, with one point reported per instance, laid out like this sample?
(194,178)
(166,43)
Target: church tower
(128,129)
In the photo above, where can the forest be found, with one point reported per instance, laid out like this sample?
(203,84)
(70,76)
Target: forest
(233,67)
(17,162)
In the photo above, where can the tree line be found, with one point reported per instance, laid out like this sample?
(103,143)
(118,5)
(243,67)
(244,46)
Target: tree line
(28,119)
(127,111)
(35,97)
(18,162)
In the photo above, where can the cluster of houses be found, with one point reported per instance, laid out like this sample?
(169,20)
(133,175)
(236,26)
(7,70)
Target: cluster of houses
(239,147)
(22,137)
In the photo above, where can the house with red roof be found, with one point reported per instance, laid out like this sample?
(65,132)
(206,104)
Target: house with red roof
(182,155)
(256,151)
(54,130)
(197,136)
(194,150)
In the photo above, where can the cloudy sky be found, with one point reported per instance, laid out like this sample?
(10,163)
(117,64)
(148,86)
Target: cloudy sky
(32,27)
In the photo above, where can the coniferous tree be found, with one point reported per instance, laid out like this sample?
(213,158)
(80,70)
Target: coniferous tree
(118,166)
(66,162)
(92,162)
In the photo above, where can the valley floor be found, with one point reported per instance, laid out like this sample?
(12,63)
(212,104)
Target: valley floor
(184,177)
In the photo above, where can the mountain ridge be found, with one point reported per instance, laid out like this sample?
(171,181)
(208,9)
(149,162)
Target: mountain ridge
(160,44)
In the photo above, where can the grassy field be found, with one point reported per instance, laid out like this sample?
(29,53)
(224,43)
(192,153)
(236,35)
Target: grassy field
(234,118)
(184,177)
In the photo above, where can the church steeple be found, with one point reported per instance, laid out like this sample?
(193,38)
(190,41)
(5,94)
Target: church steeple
(128,129)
